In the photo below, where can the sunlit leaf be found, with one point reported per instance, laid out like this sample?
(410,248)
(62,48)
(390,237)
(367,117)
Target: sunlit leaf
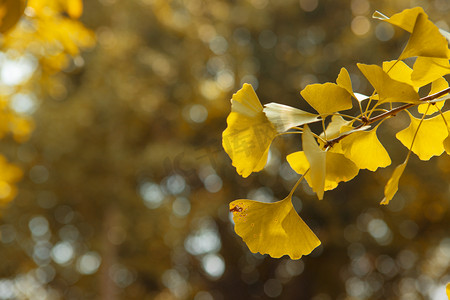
(425,38)
(428,69)
(447,290)
(391,187)
(429,139)
(336,127)
(273,228)
(365,150)
(317,161)
(249,133)
(399,71)
(405,19)
(10,13)
(284,117)
(344,81)
(388,89)
(327,98)
(436,86)
(338,168)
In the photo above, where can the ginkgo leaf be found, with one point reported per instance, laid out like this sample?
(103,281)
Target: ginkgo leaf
(398,70)
(344,81)
(391,187)
(428,69)
(436,86)
(284,117)
(425,39)
(405,19)
(249,133)
(338,168)
(365,150)
(317,161)
(337,125)
(273,228)
(447,290)
(388,89)
(327,98)
(430,137)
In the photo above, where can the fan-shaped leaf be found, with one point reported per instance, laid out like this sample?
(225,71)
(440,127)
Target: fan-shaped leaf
(365,150)
(428,69)
(398,70)
(388,89)
(429,139)
(327,98)
(338,168)
(425,39)
(249,133)
(273,228)
(284,117)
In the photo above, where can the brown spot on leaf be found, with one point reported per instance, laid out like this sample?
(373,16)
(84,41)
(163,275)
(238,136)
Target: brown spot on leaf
(237,208)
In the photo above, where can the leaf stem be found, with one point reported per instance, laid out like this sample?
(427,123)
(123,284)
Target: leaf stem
(391,113)
(297,183)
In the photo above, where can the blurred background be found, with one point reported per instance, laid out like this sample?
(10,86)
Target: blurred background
(114,183)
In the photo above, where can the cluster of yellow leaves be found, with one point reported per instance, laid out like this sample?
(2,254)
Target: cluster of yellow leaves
(44,31)
(50,32)
(347,144)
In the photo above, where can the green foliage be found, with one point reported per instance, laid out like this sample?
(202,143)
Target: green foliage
(348,143)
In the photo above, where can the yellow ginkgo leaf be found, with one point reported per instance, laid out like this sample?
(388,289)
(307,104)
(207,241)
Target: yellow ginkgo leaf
(337,126)
(436,86)
(273,228)
(249,133)
(338,168)
(392,185)
(388,89)
(344,81)
(327,98)
(428,69)
(284,117)
(365,150)
(405,19)
(398,70)
(317,161)
(429,139)
(425,39)
(447,290)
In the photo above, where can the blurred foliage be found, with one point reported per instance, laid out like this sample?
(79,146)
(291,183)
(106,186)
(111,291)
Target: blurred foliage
(126,188)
